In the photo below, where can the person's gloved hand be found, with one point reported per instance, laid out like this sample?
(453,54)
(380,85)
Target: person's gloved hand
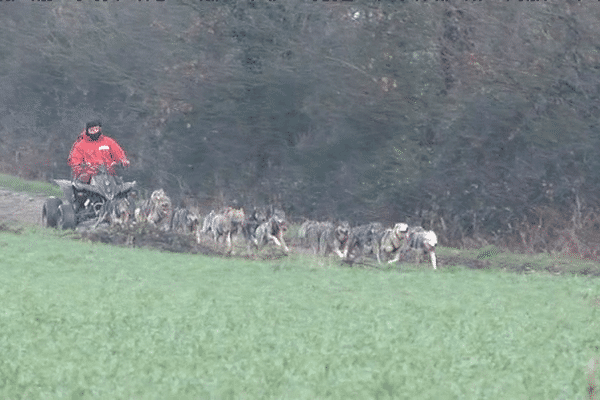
(85,177)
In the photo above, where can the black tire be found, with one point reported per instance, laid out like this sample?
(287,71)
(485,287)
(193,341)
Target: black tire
(50,212)
(66,217)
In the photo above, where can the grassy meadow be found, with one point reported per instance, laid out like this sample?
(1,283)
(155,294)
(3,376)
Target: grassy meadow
(83,320)
(22,185)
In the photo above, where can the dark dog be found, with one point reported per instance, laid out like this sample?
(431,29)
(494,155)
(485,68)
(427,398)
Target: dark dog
(257,217)
(184,221)
(335,239)
(365,239)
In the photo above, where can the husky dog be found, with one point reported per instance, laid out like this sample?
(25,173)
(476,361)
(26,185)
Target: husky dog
(377,231)
(157,211)
(364,239)
(251,223)
(226,222)
(303,231)
(237,218)
(221,227)
(314,232)
(335,239)
(206,224)
(310,232)
(122,212)
(392,242)
(422,241)
(116,212)
(273,229)
(184,221)
(223,224)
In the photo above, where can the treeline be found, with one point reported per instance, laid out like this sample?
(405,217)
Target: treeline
(471,119)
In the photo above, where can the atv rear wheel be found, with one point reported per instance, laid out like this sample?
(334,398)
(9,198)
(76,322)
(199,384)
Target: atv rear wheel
(50,212)
(66,217)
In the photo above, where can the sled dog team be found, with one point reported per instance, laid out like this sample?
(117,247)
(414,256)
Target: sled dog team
(92,149)
(386,244)
(268,224)
(258,228)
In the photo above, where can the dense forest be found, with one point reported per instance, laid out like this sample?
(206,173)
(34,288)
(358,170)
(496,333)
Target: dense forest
(476,119)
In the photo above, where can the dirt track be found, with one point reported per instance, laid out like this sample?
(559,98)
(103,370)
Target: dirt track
(21,207)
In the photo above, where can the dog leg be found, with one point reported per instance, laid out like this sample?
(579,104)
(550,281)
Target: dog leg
(102,215)
(315,249)
(396,259)
(275,240)
(346,248)
(229,245)
(198,236)
(287,250)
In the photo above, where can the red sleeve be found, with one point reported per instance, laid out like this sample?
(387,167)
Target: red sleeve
(76,158)
(76,155)
(117,152)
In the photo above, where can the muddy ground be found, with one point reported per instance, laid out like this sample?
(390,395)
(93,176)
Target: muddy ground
(20,207)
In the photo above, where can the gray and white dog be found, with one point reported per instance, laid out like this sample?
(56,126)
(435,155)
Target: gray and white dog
(237,216)
(123,212)
(251,223)
(222,225)
(392,242)
(335,238)
(422,241)
(365,239)
(314,231)
(206,225)
(303,232)
(158,210)
(184,221)
(272,230)
(116,212)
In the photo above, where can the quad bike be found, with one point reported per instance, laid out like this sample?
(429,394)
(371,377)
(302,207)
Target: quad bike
(84,204)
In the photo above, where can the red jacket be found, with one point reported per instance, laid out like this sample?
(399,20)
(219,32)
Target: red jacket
(87,154)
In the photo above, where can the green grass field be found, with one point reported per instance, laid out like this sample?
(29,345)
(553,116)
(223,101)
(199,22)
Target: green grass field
(21,185)
(85,320)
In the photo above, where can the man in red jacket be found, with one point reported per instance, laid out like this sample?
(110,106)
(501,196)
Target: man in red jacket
(92,149)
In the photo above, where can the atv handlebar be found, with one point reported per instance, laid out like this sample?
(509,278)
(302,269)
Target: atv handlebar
(98,168)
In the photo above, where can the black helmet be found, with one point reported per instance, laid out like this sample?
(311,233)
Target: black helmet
(95,122)
(91,124)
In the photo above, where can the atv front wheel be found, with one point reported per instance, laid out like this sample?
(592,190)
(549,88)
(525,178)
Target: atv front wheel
(50,212)
(66,217)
